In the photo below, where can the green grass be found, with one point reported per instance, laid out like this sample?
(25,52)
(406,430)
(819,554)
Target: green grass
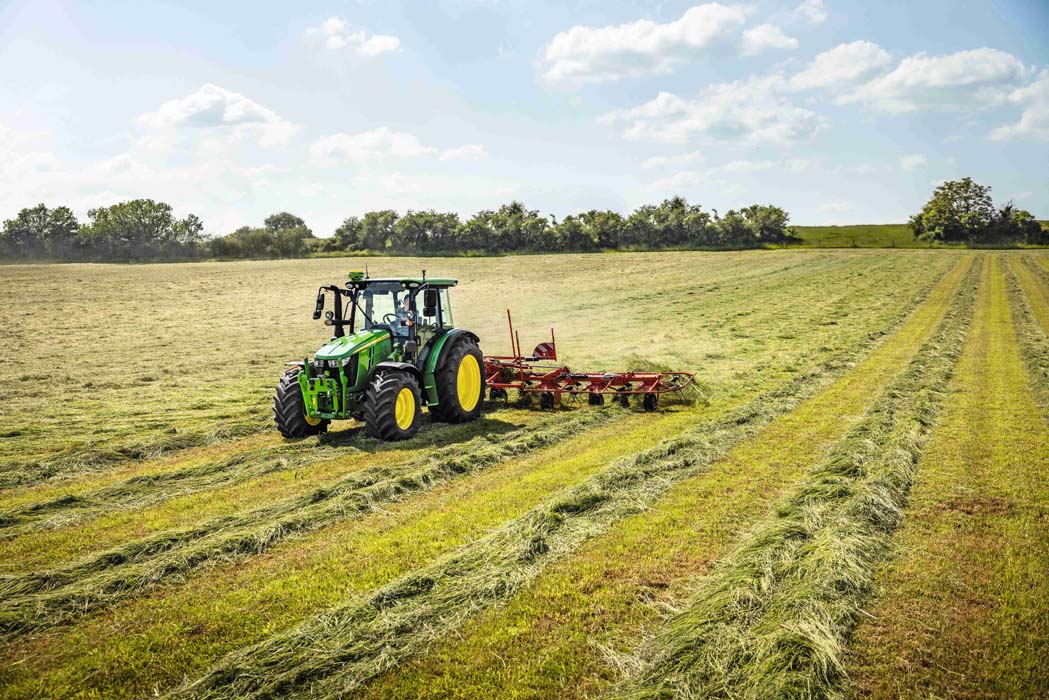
(157,537)
(554,637)
(965,603)
(859,236)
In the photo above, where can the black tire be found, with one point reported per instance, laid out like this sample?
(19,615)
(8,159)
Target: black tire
(497,395)
(450,408)
(596,399)
(623,400)
(651,401)
(381,409)
(289,410)
(546,400)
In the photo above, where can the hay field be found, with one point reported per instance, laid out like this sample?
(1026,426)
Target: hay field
(854,503)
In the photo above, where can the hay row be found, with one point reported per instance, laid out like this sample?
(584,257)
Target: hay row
(336,651)
(43,599)
(772,619)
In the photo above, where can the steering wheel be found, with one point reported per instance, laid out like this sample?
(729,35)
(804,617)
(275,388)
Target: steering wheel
(386,319)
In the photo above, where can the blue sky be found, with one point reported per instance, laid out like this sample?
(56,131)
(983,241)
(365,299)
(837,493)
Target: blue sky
(840,111)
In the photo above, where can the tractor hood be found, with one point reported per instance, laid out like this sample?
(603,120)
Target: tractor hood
(338,348)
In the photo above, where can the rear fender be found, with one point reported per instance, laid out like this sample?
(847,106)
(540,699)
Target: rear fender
(432,353)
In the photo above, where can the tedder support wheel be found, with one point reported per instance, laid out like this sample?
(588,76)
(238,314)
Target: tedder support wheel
(497,395)
(546,400)
(650,401)
(289,410)
(596,399)
(459,380)
(392,406)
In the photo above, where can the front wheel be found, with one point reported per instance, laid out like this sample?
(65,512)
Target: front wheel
(459,381)
(392,406)
(289,410)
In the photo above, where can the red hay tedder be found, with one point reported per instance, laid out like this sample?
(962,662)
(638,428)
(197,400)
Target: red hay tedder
(535,374)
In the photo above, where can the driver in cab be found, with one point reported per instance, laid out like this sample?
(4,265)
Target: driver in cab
(404,315)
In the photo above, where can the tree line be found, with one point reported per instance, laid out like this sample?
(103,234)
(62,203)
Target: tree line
(962,211)
(145,230)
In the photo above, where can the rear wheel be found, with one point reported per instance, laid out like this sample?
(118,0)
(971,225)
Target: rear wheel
(459,381)
(392,406)
(289,410)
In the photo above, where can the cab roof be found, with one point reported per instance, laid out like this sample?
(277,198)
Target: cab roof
(415,281)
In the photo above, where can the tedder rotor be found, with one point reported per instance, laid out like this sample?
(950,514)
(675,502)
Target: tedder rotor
(394,349)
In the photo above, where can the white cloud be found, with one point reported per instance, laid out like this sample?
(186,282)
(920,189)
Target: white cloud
(334,34)
(1034,120)
(834,207)
(383,143)
(677,182)
(377,144)
(843,66)
(747,112)
(680,159)
(599,54)
(213,107)
(766,36)
(923,81)
(913,161)
(473,151)
(811,11)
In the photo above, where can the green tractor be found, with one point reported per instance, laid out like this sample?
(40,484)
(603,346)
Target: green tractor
(394,349)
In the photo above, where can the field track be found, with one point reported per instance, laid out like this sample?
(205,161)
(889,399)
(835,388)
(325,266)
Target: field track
(853,504)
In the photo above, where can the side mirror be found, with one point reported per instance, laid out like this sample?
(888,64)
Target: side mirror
(430,302)
(320,305)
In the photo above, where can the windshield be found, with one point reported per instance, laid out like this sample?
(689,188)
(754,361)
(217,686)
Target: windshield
(384,304)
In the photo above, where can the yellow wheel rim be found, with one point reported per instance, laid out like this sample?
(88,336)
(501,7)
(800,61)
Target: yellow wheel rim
(311,421)
(404,410)
(468,383)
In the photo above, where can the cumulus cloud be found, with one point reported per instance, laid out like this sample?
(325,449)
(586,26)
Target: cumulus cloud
(382,144)
(335,34)
(676,160)
(216,108)
(751,111)
(764,37)
(473,151)
(677,182)
(913,161)
(1034,120)
(811,11)
(923,81)
(599,54)
(843,66)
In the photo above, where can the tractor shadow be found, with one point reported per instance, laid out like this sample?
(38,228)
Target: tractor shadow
(432,434)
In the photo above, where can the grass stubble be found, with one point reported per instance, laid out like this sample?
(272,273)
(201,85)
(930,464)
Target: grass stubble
(772,619)
(333,653)
(42,599)
(565,635)
(963,606)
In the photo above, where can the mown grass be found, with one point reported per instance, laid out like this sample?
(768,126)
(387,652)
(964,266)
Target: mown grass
(335,652)
(555,637)
(771,619)
(140,644)
(749,323)
(964,608)
(199,364)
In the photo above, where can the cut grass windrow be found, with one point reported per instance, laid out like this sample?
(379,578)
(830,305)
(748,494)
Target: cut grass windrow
(963,605)
(1028,286)
(771,619)
(141,490)
(336,651)
(95,459)
(42,599)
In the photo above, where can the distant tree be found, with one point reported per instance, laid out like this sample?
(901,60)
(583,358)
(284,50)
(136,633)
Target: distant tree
(378,229)
(425,231)
(515,227)
(39,232)
(604,227)
(284,221)
(768,224)
(141,229)
(1012,225)
(959,210)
